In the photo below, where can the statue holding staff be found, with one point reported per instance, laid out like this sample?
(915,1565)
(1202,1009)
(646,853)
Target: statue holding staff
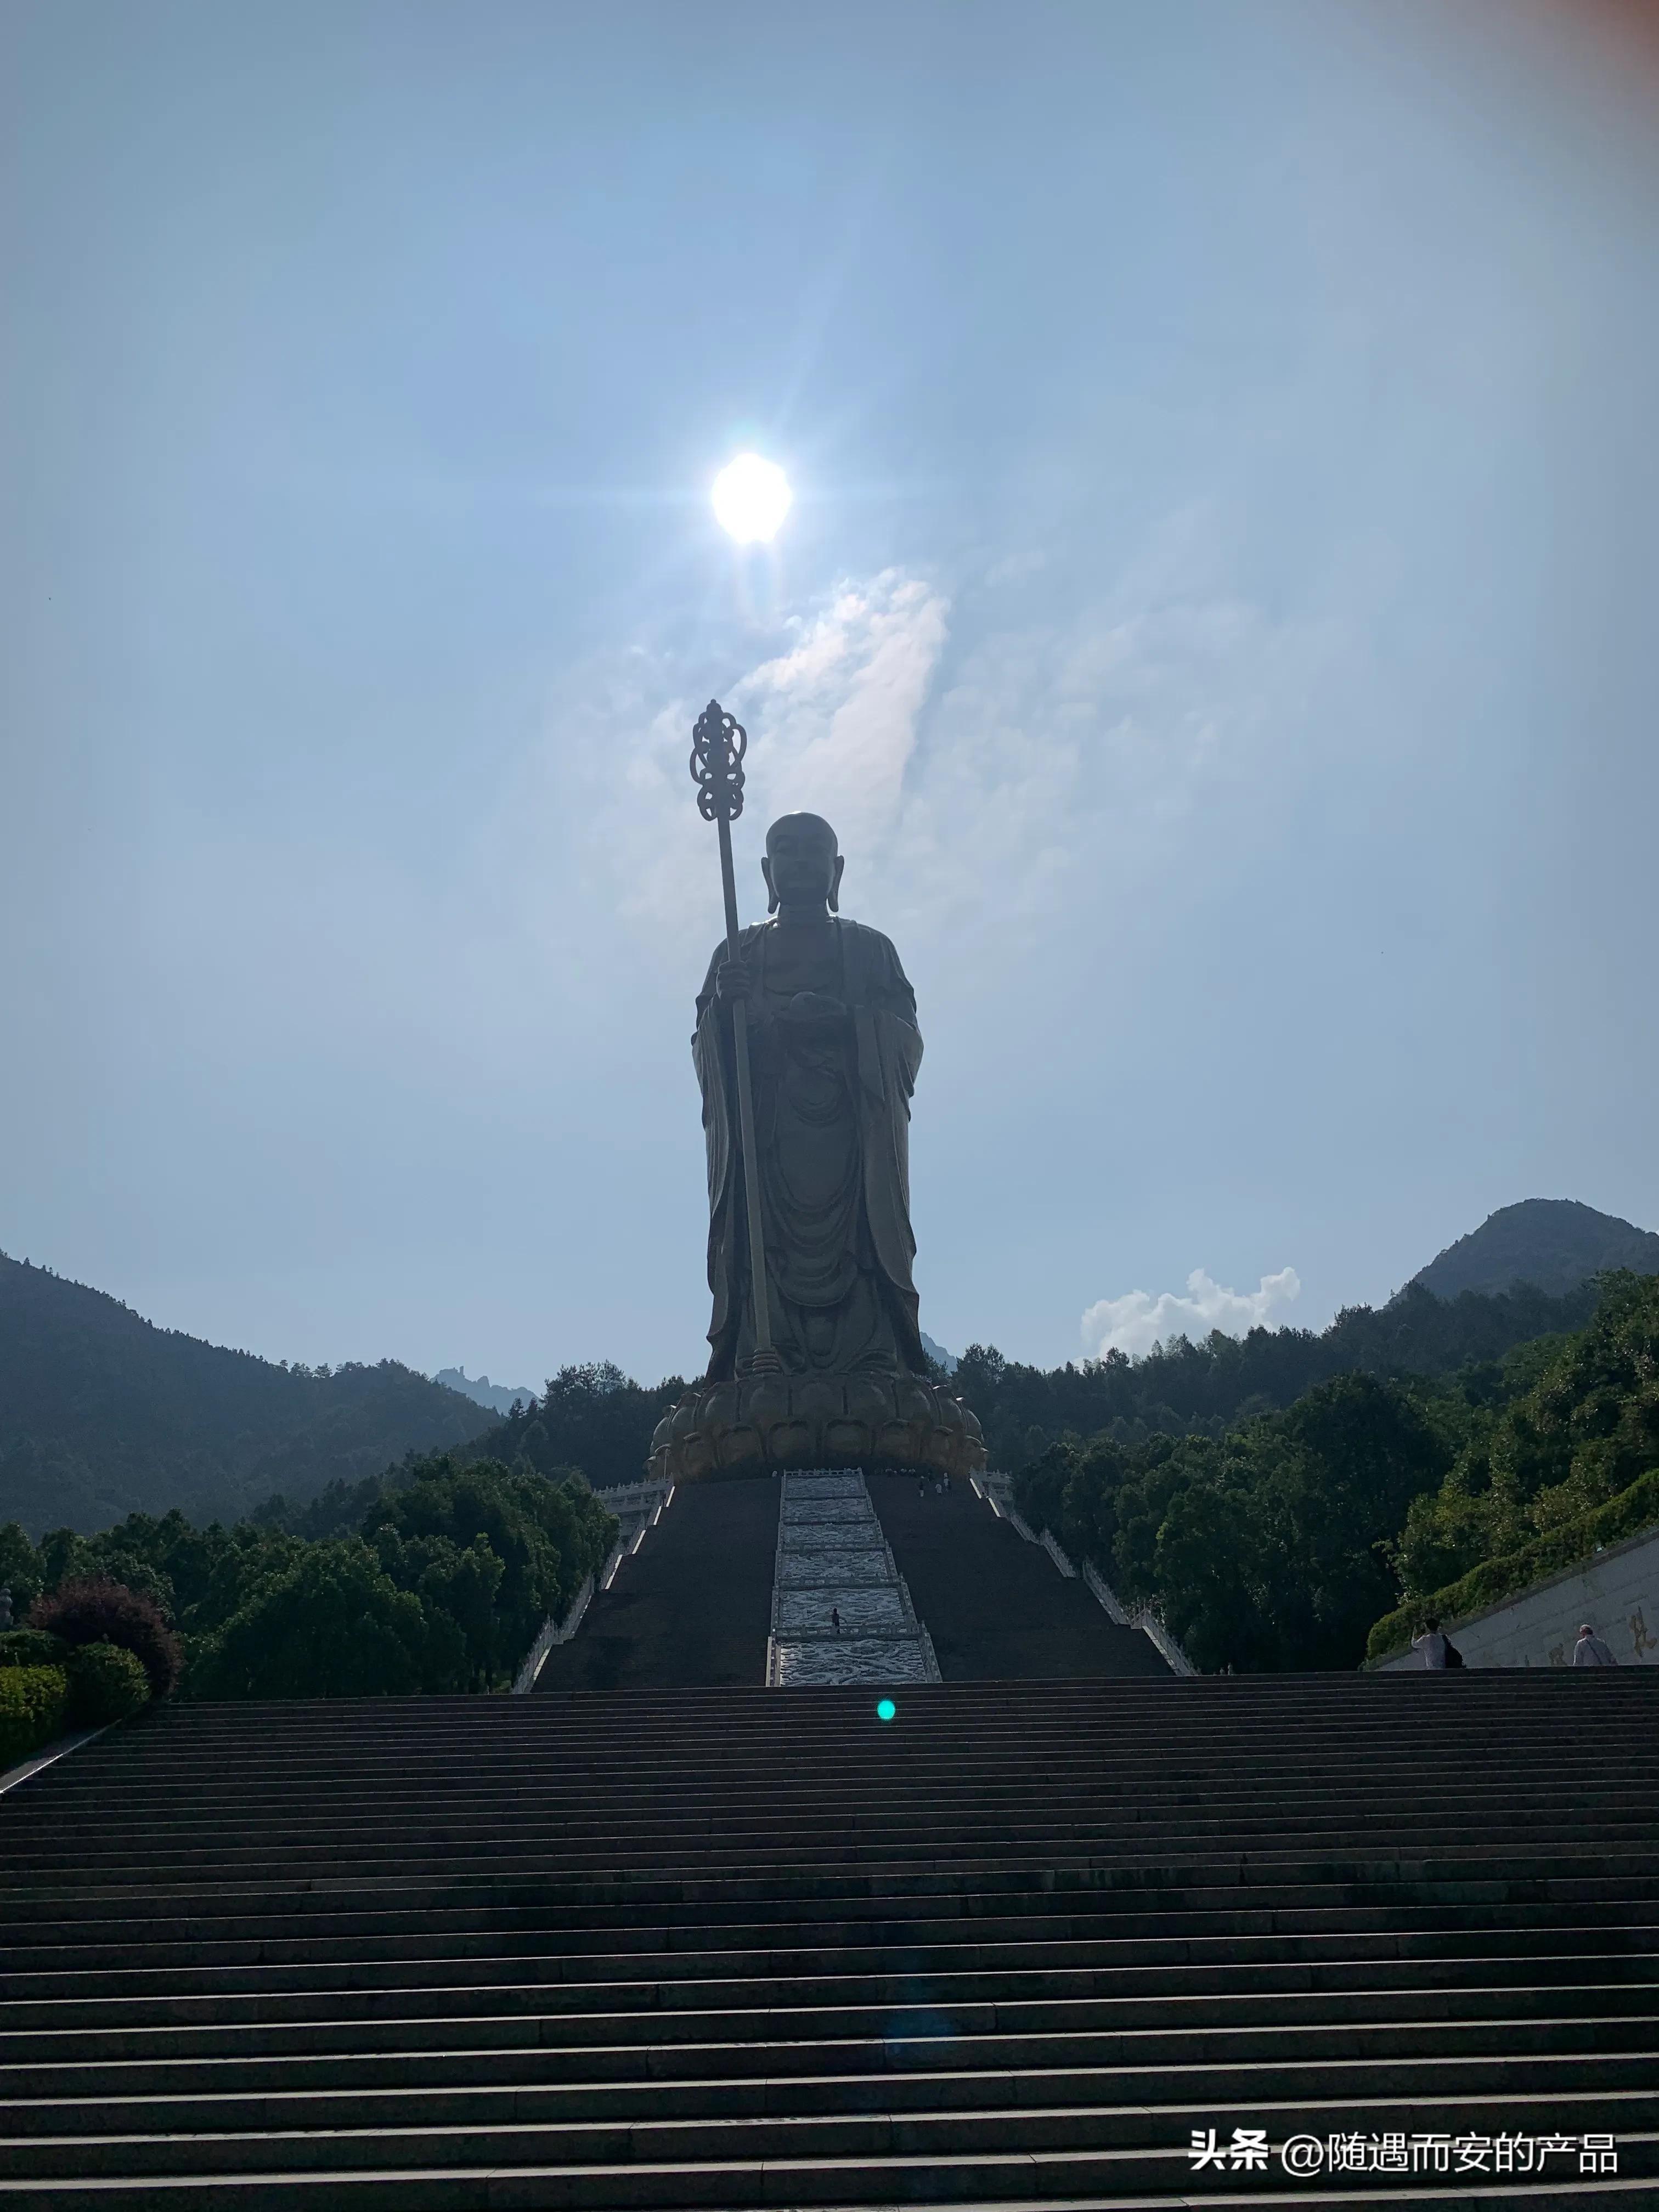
(806,1035)
(834,1048)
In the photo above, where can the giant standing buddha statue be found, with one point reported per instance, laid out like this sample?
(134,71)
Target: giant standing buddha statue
(806,1050)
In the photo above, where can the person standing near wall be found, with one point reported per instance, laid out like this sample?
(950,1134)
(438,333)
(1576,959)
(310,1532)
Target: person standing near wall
(1591,1651)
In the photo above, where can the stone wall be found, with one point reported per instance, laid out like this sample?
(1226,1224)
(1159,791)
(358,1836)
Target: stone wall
(1616,1591)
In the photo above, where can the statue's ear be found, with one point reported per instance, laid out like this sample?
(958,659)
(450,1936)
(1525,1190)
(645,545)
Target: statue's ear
(771,889)
(835,885)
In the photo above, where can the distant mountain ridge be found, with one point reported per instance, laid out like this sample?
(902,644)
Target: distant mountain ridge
(1554,1243)
(500,1397)
(103,1414)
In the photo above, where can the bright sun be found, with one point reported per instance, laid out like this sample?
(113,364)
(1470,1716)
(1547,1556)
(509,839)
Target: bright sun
(751,498)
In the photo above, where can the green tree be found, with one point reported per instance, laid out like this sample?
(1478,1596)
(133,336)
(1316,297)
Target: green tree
(20,1569)
(331,1625)
(547,1536)
(1570,1424)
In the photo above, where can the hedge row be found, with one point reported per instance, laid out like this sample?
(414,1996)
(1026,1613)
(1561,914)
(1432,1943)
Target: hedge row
(47,1686)
(32,1702)
(1573,1544)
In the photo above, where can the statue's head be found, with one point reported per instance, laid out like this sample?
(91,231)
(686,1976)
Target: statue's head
(802,865)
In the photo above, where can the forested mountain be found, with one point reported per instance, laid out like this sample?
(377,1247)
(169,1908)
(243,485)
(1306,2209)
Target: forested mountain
(1553,1243)
(594,1421)
(1184,1389)
(102,1414)
(1292,1538)
(599,1420)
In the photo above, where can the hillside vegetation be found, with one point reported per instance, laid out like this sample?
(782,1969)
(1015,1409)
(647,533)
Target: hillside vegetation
(1279,1543)
(598,1419)
(1543,1478)
(103,1414)
(1184,1389)
(439,1583)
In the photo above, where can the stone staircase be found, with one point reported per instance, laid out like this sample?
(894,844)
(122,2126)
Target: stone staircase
(733,1947)
(691,1606)
(998,1608)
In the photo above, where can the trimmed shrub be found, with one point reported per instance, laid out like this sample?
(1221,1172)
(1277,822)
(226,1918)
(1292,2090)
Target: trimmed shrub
(92,1609)
(106,1683)
(32,1702)
(32,1647)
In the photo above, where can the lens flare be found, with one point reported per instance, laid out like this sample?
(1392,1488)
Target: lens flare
(886,1709)
(751,498)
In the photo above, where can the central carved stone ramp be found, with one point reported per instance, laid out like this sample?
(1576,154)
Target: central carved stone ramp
(841,1611)
(730,1948)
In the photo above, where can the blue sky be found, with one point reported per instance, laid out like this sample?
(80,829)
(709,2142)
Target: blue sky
(1216,613)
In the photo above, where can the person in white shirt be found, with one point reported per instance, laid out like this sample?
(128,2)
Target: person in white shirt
(1591,1651)
(1431,1644)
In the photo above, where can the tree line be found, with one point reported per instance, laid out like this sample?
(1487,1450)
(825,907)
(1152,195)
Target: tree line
(1184,1388)
(439,1582)
(1284,1541)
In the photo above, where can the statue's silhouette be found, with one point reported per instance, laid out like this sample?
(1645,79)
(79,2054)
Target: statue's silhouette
(834,1049)
(806,1030)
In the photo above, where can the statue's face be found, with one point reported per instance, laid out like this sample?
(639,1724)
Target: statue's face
(802,865)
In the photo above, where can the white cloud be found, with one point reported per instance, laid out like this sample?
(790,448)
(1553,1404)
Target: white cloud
(1013,775)
(833,720)
(1137,1322)
(840,707)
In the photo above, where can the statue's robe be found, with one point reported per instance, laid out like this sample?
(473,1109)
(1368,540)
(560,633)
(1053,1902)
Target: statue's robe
(832,1129)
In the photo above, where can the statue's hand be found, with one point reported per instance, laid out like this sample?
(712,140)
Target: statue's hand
(734,980)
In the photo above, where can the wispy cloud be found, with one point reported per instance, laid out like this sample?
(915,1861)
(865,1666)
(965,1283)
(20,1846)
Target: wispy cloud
(1056,756)
(1137,1322)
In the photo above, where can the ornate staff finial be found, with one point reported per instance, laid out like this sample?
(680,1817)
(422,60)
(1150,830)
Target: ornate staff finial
(719,742)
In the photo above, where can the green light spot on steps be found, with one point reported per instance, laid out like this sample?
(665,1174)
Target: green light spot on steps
(886,1709)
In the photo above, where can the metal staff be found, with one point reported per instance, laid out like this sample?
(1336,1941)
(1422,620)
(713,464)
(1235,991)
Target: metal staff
(718,745)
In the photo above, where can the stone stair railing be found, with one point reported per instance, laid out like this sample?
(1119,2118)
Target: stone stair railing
(998,1492)
(638,1507)
(553,1632)
(1145,1617)
(1152,1624)
(1055,1553)
(1104,1595)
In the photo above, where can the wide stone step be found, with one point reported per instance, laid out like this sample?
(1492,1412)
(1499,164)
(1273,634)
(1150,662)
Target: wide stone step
(674,2162)
(381,2022)
(75,2000)
(923,2039)
(499,2088)
(508,2189)
(572,1998)
(1598,1798)
(1124,1882)
(562,1954)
